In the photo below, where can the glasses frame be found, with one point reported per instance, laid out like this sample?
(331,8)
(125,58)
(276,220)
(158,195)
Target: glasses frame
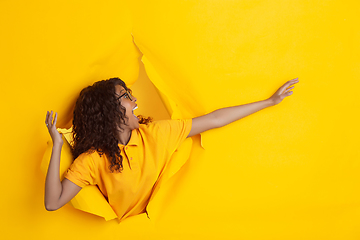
(128,93)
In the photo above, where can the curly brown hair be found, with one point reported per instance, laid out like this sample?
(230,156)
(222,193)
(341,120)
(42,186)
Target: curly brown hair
(98,117)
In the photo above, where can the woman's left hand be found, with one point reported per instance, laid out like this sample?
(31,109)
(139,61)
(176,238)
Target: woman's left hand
(51,125)
(283,91)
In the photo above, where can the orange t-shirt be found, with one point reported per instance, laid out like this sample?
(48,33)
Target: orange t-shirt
(144,159)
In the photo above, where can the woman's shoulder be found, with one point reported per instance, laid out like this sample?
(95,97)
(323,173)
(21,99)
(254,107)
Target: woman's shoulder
(90,155)
(164,126)
(160,123)
(154,126)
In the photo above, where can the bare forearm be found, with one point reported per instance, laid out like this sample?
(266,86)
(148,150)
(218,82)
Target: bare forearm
(228,115)
(53,187)
(224,116)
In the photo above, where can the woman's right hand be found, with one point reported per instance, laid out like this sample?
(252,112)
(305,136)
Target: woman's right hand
(57,192)
(283,92)
(51,125)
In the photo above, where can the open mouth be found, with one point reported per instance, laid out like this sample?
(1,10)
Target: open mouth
(133,112)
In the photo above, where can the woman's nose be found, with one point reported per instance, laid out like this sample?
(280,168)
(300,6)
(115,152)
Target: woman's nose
(134,98)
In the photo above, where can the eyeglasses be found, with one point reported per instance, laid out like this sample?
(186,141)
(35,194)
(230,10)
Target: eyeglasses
(127,94)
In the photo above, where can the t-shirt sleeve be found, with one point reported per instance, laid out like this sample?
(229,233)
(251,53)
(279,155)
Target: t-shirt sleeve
(174,132)
(82,172)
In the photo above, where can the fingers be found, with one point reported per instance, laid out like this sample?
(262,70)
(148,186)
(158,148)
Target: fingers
(55,119)
(288,89)
(49,119)
(292,82)
(285,89)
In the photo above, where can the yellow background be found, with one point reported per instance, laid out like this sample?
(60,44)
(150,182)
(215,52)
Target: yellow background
(287,172)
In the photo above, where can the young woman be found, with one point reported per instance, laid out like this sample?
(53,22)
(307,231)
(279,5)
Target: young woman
(122,155)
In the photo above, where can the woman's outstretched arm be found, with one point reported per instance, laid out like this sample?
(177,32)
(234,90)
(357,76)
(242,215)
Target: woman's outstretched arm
(57,193)
(224,116)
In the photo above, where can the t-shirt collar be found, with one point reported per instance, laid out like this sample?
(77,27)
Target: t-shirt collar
(134,139)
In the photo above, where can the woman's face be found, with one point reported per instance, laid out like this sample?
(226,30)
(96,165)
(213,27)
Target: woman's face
(132,122)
